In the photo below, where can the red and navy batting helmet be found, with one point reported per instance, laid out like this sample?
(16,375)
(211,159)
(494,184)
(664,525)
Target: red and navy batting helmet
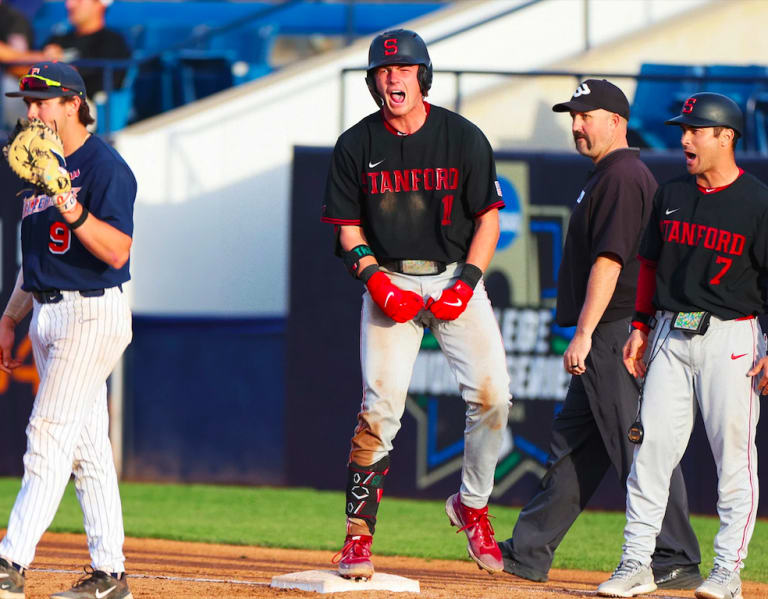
(399,46)
(708,109)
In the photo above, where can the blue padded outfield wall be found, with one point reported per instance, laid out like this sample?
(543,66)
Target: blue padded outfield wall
(204,397)
(204,400)
(323,386)
(18,389)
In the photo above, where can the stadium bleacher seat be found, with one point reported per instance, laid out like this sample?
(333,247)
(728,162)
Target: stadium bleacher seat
(750,94)
(184,60)
(657,100)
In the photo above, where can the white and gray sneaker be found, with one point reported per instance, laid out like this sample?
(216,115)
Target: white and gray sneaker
(720,584)
(630,578)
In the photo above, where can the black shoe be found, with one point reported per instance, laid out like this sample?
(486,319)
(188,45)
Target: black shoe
(96,584)
(514,567)
(678,577)
(11,581)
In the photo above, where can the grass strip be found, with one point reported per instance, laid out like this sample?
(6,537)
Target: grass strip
(309,519)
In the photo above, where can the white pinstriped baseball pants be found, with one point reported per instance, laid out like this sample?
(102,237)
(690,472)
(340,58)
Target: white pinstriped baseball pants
(76,344)
(709,371)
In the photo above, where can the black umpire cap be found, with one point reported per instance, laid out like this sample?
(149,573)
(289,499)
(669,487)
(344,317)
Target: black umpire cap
(708,109)
(593,94)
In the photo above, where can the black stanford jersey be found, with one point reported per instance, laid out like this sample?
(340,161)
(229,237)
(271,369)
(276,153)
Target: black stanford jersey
(416,196)
(709,246)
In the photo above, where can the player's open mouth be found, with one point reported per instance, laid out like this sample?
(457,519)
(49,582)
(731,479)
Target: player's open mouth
(690,157)
(397,97)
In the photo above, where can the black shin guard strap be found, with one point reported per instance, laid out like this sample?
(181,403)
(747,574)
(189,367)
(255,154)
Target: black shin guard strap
(365,484)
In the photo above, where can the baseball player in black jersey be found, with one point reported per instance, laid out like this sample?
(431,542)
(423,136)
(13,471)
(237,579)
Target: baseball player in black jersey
(413,193)
(702,254)
(596,293)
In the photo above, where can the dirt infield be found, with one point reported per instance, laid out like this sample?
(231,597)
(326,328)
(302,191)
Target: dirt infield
(178,570)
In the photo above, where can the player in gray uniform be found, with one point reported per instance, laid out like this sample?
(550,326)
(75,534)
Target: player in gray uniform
(412,190)
(702,254)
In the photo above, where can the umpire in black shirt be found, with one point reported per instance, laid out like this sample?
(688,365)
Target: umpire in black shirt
(596,293)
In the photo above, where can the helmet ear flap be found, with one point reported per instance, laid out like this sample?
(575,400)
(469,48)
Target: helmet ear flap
(425,79)
(370,81)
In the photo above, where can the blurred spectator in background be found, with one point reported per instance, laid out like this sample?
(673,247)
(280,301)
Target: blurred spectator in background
(90,39)
(16,43)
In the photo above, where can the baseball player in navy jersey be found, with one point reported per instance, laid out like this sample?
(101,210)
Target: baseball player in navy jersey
(74,260)
(702,254)
(412,190)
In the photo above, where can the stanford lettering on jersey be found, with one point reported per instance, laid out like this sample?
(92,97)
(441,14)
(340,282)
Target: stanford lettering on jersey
(415,179)
(711,238)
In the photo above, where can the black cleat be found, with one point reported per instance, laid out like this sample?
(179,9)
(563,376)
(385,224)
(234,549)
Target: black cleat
(678,577)
(11,581)
(95,584)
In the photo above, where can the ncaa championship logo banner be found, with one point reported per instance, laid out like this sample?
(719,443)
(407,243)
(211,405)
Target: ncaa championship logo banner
(521,283)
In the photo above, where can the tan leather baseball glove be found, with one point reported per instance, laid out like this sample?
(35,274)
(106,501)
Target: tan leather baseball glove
(35,153)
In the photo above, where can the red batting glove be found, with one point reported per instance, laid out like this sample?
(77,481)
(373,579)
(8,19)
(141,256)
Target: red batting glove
(452,301)
(400,305)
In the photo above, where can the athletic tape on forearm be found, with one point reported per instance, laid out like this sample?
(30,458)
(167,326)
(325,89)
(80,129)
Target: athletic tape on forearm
(20,302)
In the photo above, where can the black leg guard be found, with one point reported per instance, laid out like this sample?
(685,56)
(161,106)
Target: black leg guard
(365,484)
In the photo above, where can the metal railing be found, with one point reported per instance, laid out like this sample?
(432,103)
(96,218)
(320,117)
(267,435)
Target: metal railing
(753,103)
(108,78)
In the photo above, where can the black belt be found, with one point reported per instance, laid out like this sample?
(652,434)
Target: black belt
(415,267)
(53,296)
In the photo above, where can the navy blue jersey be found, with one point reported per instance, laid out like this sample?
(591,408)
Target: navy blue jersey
(52,255)
(415,196)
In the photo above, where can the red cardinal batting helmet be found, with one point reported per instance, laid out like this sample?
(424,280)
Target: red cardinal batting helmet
(707,109)
(399,46)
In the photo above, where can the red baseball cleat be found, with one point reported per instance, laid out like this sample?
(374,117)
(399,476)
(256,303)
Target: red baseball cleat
(354,559)
(482,546)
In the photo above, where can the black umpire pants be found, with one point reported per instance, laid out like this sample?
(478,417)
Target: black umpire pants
(588,436)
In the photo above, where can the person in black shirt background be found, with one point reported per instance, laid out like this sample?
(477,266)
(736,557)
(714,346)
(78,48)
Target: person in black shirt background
(596,293)
(16,43)
(90,38)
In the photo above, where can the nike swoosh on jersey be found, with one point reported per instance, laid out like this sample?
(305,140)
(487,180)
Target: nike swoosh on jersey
(733,357)
(581,197)
(668,211)
(375,164)
(100,594)
(457,304)
(389,295)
